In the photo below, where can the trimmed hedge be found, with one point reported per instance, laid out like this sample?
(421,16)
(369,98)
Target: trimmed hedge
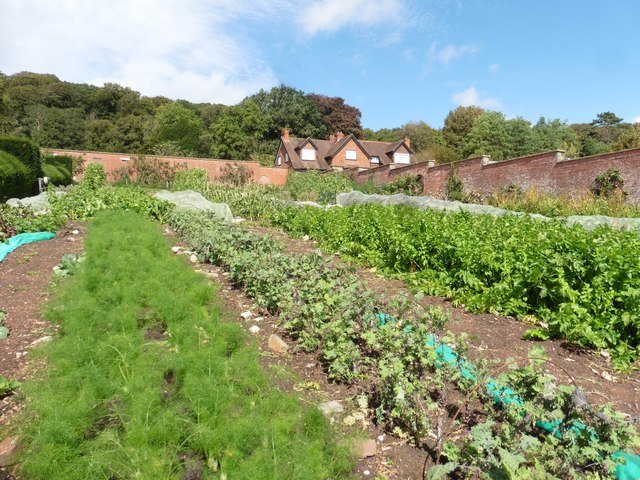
(28,153)
(15,177)
(58,168)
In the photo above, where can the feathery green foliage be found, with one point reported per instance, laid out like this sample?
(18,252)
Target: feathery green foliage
(146,381)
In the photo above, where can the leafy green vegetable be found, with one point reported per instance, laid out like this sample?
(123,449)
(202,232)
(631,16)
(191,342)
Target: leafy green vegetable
(585,285)
(7,386)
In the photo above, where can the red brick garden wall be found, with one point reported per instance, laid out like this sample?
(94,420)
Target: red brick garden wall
(114,161)
(549,172)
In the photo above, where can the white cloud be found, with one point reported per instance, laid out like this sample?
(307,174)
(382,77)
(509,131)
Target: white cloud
(636,120)
(333,15)
(470,96)
(188,49)
(448,53)
(494,67)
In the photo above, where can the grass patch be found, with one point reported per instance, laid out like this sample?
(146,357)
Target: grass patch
(119,402)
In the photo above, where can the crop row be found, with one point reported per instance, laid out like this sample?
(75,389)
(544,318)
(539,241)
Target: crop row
(146,381)
(580,285)
(327,308)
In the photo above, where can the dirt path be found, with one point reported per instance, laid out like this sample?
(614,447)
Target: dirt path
(498,338)
(25,279)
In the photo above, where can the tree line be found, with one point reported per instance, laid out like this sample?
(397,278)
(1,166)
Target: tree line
(114,118)
(473,131)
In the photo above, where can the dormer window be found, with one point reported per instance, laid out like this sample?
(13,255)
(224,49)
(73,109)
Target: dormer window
(308,154)
(351,154)
(375,159)
(401,158)
(279,162)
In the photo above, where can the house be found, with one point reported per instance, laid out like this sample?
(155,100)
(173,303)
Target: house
(340,152)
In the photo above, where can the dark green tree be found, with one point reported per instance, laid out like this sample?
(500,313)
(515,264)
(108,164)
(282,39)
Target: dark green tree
(555,135)
(239,131)
(383,135)
(422,136)
(488,136)
(457,125)
(177,123)
(289,108)
(606,119)
(56,127)
(522,140)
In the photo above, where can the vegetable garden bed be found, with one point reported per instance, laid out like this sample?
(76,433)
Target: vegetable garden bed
(407,385)
(146,381)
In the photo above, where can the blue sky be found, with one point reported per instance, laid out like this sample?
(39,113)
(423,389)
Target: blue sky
(396,60)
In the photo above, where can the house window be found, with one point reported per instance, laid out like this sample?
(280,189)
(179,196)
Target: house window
(351,154)
(286,157)
(375,159)
(308,154)
(125,159)
(402,158)
(279,161)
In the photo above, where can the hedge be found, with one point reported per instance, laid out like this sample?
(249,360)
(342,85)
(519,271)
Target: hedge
(27,152)
(15,177)
(58,168)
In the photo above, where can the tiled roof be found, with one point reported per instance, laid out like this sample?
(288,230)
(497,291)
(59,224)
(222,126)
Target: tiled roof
(327,149)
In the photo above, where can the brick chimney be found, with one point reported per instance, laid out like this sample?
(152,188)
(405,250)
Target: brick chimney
(407,140)
(285,135)
(339,136)
(332,138)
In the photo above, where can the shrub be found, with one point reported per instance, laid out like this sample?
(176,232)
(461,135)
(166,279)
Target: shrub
(454,190)
(191,179)
(94,176)
(58,168)
(409,184)
(27,152)
(608,183)
(152,172)
(235,174)
(15,177)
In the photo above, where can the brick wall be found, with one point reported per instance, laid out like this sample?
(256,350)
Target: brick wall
(114,161)
(549,172)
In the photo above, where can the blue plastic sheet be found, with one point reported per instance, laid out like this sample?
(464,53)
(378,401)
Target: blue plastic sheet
(22,239)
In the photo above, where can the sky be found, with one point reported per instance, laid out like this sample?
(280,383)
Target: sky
(396,60)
